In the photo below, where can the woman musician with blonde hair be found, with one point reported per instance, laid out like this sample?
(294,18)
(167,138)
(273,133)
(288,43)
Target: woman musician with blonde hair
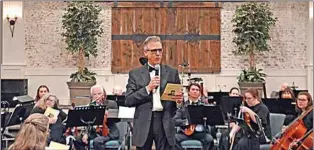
(57,129)
(33,134)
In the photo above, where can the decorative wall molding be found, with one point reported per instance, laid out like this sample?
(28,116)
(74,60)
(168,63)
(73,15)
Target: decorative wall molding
(13,71)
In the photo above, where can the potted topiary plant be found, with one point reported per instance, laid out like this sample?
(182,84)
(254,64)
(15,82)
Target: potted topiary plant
(252,22)
(82,27)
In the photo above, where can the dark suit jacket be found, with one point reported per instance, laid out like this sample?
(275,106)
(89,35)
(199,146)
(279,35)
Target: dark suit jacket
(137,96)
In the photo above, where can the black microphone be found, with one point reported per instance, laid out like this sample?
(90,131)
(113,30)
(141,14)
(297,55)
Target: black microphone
(157,72)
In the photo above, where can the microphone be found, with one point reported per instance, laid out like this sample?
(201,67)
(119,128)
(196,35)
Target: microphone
(157,70)
(157,67)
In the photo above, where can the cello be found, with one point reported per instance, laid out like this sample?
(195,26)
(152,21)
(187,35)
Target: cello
(306,142)
(295,130)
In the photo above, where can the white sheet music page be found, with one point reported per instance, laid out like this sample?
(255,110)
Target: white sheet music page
(126,112)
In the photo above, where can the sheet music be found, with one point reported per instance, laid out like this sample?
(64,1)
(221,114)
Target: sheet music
(54,145)
(170,92)
(52,113)
(126,112)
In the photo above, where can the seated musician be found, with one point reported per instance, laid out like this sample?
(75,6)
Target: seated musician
(180,119)
(56,127)
(288,94)
(41,91)
(99,98)
(303,103)
(275,94)
(245,139)
(234,92)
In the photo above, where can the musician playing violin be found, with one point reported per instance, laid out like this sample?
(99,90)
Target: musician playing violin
(245,139)
(200,133)
(99,98)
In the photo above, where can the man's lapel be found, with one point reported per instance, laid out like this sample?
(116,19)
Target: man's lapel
(163,79)
(145,74)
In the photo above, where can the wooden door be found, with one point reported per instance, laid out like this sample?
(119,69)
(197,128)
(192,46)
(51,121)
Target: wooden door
(190,33)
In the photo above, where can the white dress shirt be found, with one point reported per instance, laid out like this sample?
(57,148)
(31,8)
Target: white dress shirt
(157,106)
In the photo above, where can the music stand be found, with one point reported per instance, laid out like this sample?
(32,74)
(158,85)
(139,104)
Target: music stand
(205,114)
(230,105)
(296,92)
(282,106)
(216,96)
(86,116)
(120,99)
(20,113)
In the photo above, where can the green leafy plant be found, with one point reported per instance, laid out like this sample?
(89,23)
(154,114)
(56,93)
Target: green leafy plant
(252,23)
(252,75)
(82,28)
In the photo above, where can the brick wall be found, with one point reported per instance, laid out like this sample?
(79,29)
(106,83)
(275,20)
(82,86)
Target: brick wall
(45,49)
(289,38)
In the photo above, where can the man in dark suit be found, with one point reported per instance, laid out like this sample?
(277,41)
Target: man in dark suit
(153,116)
(99,98)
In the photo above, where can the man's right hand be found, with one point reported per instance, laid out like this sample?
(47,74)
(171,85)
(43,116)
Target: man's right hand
(85,139)
(155,82)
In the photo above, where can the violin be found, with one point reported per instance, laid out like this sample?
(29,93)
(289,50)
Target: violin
(105,129)
(295,130)
(189,130)
(74,129)
(247,119)
(246,115)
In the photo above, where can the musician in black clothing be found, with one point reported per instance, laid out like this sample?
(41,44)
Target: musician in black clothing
(180,120)
(57,129)
(303,103)
(246,138)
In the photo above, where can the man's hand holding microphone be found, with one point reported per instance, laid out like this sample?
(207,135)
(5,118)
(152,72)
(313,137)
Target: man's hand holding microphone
(155,81)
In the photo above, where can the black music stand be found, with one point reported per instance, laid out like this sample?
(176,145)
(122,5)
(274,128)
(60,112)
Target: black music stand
(216,96)
(205,114)
(296,92)
(86,116)
(281,106)
(230,105)
(20,113)
(120,99)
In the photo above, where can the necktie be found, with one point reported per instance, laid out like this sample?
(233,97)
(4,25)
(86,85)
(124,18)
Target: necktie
(194,103)
(151,69)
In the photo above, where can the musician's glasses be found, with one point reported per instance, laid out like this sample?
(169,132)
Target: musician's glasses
(154,51)
(302,100)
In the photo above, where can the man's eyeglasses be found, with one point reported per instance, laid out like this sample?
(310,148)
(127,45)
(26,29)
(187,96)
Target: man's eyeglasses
(154,51)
